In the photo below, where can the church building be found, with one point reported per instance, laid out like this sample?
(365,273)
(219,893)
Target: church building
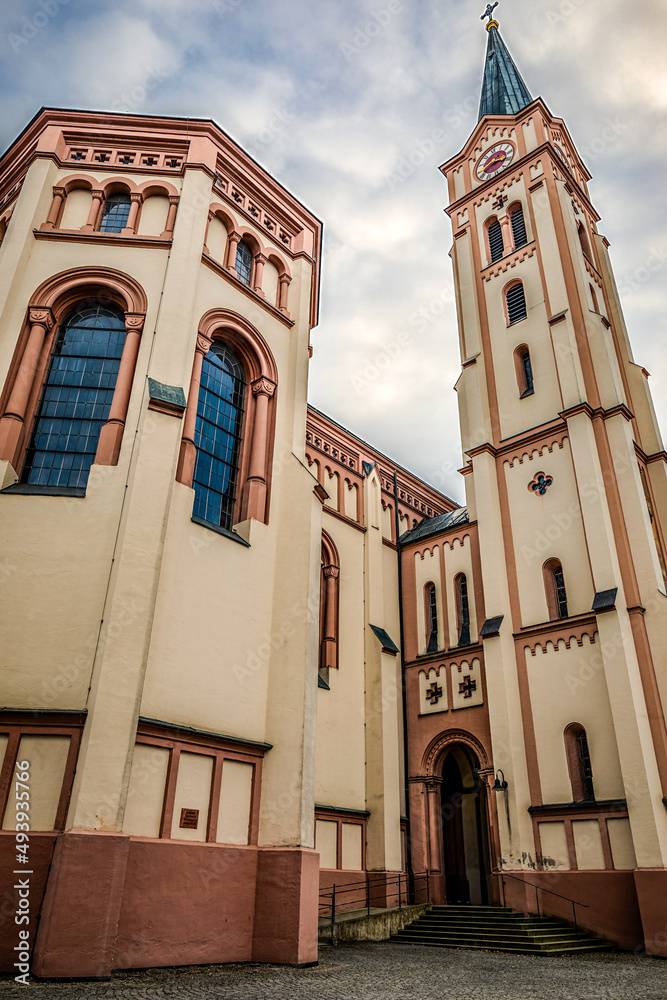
(246,657)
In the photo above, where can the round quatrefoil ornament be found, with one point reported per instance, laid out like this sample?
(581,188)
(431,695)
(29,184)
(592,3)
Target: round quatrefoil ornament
(540,484)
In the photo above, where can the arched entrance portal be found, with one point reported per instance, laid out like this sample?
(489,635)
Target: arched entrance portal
(465,828)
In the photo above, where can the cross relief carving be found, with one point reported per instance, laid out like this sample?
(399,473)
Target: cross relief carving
(434,693)
(467,686)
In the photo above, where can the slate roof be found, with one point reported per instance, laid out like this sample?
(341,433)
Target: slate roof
(503,90)
(435,525)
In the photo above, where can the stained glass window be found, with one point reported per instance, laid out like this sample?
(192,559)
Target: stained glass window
(77,396)
(218,436)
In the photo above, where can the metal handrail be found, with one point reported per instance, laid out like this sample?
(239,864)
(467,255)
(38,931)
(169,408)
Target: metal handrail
(329,897)
(541,888)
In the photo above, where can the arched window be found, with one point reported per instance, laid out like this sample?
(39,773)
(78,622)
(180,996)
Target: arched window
(329,602)
(462,610)
(579,763)
(431,601)
(524,371)
(515,300)
(244,262)
(115,213)
(583,240)
(496,245)
(554,582)
(77,396)
(596,307)
(218,436)
(518,227)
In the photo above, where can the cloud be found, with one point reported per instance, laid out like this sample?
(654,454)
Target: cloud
(368,114)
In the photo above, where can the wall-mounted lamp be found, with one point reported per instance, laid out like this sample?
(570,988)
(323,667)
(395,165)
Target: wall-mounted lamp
(500,786)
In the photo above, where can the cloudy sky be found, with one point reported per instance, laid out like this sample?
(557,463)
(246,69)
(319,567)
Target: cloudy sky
(337,100)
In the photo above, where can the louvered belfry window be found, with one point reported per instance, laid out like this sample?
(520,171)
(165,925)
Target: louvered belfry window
(518,227)
(496,245)
(516,303)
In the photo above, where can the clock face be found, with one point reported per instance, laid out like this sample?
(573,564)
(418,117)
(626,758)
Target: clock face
(495,160)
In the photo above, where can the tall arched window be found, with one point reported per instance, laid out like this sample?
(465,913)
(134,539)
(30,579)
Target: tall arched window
(329,601)
(579,763)
(115,213)
(594,298)
(524,371)
(515,300)
(77,396)
(244,262)
(583,240)
(218,436)
(431,600)
(462,610)
(554,582)
(496,245)
(518,227)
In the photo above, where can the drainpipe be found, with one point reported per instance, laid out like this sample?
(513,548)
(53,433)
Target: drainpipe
(408,839)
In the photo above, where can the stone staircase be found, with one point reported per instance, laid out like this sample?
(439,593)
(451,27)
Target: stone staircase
(495,928)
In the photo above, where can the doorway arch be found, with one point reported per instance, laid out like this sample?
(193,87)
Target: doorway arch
(457,762)
(465,829)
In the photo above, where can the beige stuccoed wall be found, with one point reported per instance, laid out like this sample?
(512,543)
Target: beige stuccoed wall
(566,686)
(340,717)
(552,528)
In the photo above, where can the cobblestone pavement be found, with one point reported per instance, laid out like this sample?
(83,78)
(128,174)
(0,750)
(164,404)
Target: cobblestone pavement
(382,972)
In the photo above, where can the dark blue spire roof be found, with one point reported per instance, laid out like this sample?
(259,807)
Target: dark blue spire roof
(503,89)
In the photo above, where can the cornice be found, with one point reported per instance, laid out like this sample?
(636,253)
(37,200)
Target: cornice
(115,239)
(557,631)
(344,518)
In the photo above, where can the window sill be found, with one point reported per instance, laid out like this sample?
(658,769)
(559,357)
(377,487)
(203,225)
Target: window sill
(528,392)
(27,489)
(219,530)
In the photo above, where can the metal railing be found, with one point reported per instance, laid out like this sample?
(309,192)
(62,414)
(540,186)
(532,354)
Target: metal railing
(366,894)
(539,888)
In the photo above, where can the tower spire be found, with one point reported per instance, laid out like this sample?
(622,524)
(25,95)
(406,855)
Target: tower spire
(503,89)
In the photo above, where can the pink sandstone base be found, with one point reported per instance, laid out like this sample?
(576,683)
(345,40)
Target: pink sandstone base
(613,910)
(114,902)
(652,897)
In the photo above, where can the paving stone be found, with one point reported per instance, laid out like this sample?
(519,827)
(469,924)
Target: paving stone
(382,972)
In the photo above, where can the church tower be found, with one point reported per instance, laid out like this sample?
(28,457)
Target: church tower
(566,479)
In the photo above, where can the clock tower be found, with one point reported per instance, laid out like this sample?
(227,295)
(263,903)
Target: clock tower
(566,478)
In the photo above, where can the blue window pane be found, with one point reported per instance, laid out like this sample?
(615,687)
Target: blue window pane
(244,262)
(115,213)
(76,398)
(218,436)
